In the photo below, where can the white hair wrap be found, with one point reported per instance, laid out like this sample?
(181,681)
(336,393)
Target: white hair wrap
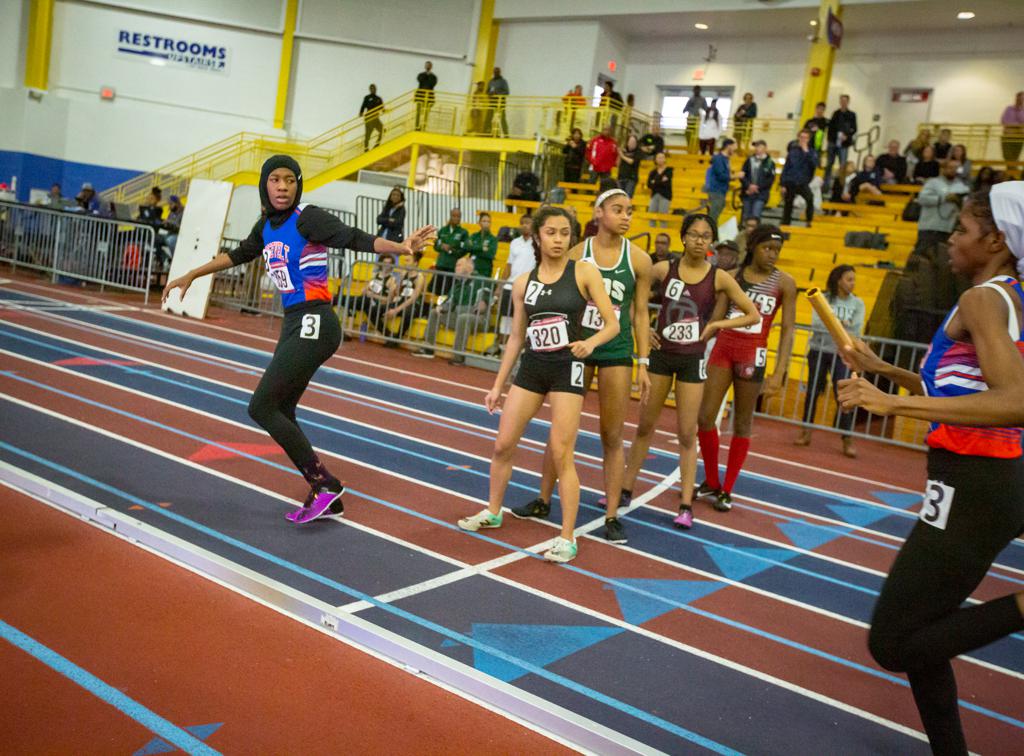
(610,193)
(1007,201)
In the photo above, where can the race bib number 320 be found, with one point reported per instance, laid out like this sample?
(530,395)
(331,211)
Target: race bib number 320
(548,335)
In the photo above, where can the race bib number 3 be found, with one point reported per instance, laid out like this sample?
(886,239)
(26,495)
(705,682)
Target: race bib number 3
(310,328)
(548,335)
(592,316)
(682,331)
(938,500)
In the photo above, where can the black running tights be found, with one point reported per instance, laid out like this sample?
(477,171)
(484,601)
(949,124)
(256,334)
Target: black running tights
(308,337)
(919,623)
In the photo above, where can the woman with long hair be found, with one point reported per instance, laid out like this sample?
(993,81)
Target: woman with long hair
(293,239)
(548,306)
(822,360)
(971,388)
(710,129)
(689,289)
(391,220)
(739,359)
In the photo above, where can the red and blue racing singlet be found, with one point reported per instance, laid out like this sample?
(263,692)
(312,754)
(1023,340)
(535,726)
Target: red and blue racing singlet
(297,267)
(951,368)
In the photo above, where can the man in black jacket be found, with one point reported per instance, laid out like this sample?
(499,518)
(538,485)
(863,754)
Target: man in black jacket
(371,109)
(841,131)
(426,80)
(801,162)
(758,177)
(892,166)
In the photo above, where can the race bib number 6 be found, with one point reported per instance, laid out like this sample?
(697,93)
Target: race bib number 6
(592,316)
(938,500)
(548,335)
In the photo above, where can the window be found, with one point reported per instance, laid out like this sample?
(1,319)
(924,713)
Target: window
(674,100)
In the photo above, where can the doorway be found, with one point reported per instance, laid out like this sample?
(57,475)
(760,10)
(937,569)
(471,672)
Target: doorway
(673,101)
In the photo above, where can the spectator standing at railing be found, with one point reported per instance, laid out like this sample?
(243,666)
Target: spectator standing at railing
(756,183)
(659,182)
(842,129)
(817,126)
(450,246)
(426,80)
(892,166)
(822,360)
(1013,129)
(370,110)
(943,145)
(801,163)
(602,154)
(653,142)
(940,199)
(629,165)
(497,90)
(718,176)
(743,119)
(927,167)
(478,107)
(710,129)
(391,220)
(521,259)
(465,311)
(55,198)
(574,151)
(959,153)
(482,246)
(172,223)
(87,199)
(694,108)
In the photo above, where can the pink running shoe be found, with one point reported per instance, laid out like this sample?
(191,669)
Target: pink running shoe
(324,504)
(684,519)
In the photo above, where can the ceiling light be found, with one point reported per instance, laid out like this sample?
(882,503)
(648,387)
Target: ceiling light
(814,22)
(702,27)
(965,15)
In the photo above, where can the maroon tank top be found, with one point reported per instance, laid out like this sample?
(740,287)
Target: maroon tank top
(685,310)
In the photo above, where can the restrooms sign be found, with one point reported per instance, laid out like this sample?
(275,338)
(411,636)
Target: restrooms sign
(181,52)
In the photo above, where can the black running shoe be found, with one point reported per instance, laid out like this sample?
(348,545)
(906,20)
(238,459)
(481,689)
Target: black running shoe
(613,530)
(704,491)
(537,508)
(722,501)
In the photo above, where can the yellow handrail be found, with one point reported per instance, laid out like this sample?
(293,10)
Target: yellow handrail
(446,113)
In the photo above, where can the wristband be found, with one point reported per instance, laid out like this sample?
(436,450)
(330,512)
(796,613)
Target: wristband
(645,361)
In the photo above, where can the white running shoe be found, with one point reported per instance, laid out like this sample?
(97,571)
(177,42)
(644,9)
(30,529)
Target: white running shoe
(561,551)
(482,520)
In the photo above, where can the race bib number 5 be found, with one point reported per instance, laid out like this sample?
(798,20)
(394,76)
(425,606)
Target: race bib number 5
(548,335)
(682,331)
(938,500)
(592,316)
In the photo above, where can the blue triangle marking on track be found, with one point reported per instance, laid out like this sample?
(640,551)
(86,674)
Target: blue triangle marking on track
(156,745)
(204,731)
(539,645)
(808,535)
(897,499)
(637,608)
(859,514)
(738,563)
(449,643)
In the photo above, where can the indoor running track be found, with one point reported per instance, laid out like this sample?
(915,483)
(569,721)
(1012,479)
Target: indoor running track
(745,634)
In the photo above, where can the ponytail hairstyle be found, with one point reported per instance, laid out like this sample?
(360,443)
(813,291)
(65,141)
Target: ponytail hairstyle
(539,219)
(832,286)
(761,234)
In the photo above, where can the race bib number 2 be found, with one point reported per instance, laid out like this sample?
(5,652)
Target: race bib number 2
(938,500)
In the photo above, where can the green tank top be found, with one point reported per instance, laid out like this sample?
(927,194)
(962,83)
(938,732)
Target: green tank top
(620,283)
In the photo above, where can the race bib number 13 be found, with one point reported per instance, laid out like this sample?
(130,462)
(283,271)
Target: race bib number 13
(592,316)
(938,500)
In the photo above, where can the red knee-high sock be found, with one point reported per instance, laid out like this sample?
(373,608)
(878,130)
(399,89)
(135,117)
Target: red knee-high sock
(738,448)
(709,453)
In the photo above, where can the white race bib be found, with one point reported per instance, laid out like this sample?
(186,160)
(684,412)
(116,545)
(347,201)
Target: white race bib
(577,374)
(685,331)
(310,328)
(376,286)
(592,316)
(761,357)
(548,334)
(938,500)
(278,273)
(736,313)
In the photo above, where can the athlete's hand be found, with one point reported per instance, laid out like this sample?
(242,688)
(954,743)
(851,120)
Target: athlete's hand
(655,339)
(709,331)
(493,400)
(860,392)
(419,238)
(581,349)
(772,386)
(178,283)
(859,357)
(643,382)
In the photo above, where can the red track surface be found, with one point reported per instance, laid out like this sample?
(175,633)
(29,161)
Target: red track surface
(196,653)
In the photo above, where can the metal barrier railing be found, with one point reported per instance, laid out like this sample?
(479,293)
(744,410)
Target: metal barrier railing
(815,375)
(113,253)
(421,209)
(984,141)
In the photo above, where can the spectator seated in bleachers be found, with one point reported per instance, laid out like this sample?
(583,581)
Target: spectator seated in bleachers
(866,180)
(892,166)
(406,297)
(959,153)
(525,186)
(466,310)
(87,199)
(927,167)
(167,238)
(749,224)
(150,210)
(940,201)
(377,293)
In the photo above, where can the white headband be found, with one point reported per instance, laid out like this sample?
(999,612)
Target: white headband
(1007,201)
(610,193)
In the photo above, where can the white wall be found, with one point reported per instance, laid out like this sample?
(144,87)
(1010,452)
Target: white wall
(12,36)
(548,58)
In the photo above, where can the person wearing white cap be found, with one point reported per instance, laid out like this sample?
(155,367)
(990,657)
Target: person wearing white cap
(87,199)
(971,388)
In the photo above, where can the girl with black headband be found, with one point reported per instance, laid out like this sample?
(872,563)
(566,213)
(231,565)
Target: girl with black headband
(293,240)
